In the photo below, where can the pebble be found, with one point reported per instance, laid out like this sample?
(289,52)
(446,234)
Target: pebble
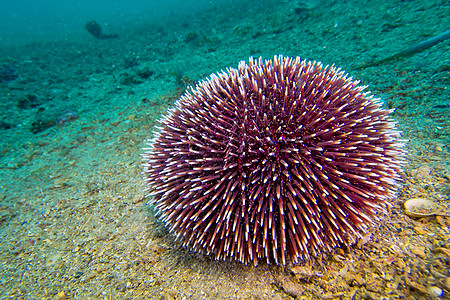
(293,289)
(434,291)
(420,251)
(423,172)
(61,296)
(304,271)
(419,230)
(438,148)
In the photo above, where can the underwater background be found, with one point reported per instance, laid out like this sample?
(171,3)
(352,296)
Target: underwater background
(82,84)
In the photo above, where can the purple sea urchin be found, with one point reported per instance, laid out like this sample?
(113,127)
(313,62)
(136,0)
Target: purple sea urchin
(275,160)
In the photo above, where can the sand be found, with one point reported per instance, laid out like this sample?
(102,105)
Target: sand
(74,222)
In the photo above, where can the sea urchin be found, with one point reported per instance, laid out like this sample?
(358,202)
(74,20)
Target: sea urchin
(277,160)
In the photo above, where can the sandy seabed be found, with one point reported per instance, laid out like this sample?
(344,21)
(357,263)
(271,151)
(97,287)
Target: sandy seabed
(74,222)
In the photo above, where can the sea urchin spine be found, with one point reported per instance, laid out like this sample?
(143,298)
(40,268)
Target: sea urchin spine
(279,160)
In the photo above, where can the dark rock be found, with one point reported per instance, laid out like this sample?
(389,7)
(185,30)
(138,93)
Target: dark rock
(7,73)
(130,62)
(28,101)
(128,78)
(5,125)
(96,31)
(145,73)
(94,28)
(41,125)
(191,36)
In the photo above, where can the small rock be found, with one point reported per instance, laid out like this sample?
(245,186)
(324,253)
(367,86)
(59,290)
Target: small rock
(423,172)
(419,230)
(172,293)
(434,291)
(41,125)
(61,296)
(77,274)
(145,73)
(7,73)
(354,279)
(415,285)
(5,125)
(304,272)
(291,288)
(400,264)
(28,101)
(419,251)
(138,198)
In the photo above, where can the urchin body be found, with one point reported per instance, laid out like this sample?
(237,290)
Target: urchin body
(277,160)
